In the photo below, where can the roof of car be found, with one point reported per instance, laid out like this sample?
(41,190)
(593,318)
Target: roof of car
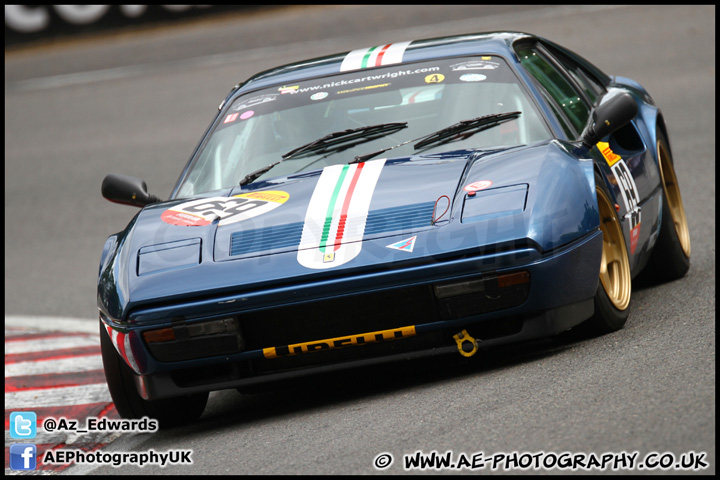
(499,43)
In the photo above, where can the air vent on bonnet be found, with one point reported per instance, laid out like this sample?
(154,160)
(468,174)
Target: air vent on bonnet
(405,219)
(266,239)
(399,219)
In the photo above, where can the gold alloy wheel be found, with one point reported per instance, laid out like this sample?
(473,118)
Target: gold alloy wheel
(673,198)
(614,265)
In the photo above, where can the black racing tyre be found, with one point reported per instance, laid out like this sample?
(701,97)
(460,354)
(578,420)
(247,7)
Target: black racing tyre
(612,299)
(167,411)
(670,258)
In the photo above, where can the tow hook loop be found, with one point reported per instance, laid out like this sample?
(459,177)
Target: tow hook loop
(467,345)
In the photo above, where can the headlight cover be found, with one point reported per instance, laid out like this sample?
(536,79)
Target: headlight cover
(495,202)
(169,256)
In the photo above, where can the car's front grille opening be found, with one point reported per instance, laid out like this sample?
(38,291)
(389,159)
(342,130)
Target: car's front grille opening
(338,317)
(347,327)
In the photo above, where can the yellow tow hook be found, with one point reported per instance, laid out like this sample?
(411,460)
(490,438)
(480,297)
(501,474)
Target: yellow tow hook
(467,345)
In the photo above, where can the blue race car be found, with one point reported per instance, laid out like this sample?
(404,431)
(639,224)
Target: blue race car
(446,194)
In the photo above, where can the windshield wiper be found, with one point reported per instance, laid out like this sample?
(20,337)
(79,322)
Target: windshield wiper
(254,175)
(449,134)
(333,142)
(345,139)
(465,129)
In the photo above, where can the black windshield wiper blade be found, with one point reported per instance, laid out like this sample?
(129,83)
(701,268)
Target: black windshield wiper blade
(336,141)
(254,175)
(448,134)
(345,139)
(465,129)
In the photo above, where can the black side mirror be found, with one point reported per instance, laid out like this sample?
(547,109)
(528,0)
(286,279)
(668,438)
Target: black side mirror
(615,110)
(127,190)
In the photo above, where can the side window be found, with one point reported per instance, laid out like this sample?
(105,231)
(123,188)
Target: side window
(557,86)
(592,87)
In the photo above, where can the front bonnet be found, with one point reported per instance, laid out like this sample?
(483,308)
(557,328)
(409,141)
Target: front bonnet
(350,219)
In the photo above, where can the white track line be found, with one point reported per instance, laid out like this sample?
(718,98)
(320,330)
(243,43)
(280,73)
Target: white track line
(64,365)
(58,397)
(52,324)
(49,344)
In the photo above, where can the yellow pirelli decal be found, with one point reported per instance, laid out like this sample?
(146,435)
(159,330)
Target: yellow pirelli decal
(610,157)
(339,342)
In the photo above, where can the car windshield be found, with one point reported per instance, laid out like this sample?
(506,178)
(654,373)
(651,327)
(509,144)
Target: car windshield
(260,128)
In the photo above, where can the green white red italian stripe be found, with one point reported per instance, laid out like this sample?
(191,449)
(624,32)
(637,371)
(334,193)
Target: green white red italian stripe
(378,56)
(337,213)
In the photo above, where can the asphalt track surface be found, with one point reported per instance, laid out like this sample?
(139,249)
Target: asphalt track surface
(137,103)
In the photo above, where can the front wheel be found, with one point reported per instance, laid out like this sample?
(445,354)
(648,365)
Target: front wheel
(670,259)
(612,299)
(167,411)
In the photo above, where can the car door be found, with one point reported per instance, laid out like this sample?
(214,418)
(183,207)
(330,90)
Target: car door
(571,91)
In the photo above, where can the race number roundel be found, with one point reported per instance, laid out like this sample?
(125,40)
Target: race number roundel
(475,186)
(229,210)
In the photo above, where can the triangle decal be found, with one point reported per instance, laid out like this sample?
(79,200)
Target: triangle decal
(406,245)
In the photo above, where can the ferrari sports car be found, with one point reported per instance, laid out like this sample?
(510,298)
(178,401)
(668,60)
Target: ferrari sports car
(413,198)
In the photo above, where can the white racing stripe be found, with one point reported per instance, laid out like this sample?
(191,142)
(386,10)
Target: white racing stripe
(336,214)
(377,56)
(65,365)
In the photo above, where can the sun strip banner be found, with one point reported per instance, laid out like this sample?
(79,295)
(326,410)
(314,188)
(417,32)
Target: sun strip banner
(336,215)
(374,57)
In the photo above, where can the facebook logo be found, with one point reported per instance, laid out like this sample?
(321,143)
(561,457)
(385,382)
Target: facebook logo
(23,425)
(23,456)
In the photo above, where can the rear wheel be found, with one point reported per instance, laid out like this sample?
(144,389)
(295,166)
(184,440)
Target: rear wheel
(671,255)
(612,299)
(168,411)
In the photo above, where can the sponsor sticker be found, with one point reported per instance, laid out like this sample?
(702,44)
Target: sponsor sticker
(435,78)
(479,185)
(229,210)
(634,236)
(247,103)
(472,77)
(482,64)
(406,245)
(359,89)
(610,157)
(231,118)
(339,342)
(628,191)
